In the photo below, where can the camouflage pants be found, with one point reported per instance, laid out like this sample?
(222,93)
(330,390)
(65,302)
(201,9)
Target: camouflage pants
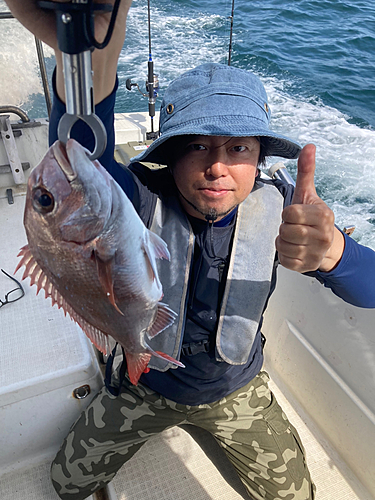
(249,425)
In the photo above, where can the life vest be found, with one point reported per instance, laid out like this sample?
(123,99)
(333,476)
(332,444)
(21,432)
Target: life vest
(248,279)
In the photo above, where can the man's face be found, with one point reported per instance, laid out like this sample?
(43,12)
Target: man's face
(214,174)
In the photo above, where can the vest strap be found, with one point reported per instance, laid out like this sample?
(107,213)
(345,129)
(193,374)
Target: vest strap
(115,389)
(196,347)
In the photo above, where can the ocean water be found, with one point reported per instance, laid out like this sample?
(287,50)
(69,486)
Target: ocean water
(315,58)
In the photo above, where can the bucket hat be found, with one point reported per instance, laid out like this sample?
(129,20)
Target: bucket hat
(217,100)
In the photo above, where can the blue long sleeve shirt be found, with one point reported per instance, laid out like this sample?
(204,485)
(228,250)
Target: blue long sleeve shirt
(204,379)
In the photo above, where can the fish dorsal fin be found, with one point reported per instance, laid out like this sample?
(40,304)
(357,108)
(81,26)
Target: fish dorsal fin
(164,317)
(137,364)
(104,269)
(38,277)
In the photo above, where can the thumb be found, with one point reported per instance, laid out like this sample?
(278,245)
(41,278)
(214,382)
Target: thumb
(304,192)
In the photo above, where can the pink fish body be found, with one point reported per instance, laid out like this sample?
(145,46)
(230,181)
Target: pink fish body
(91,253)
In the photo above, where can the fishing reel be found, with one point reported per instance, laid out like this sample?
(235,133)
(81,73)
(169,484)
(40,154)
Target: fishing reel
(129,85)
(152,89)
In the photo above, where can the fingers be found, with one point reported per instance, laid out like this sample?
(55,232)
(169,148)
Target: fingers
(308,239)
(318,215)
(307,231)
(302,248)
(304,192)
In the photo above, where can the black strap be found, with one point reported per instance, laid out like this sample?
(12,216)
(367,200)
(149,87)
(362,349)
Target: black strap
(204,346)
(115,389)
(195,347)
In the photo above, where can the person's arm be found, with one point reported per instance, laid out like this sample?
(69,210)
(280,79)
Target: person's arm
(42,24)
(310,243)
(82,133)
(104,62)
(353,279)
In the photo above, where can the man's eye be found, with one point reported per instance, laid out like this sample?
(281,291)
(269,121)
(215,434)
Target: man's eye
(195,147)
(238,149)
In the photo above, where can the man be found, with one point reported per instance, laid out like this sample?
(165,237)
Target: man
(221,221)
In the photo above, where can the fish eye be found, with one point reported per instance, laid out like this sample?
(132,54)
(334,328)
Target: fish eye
(43,201)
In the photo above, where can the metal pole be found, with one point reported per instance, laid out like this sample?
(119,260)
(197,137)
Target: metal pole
(42,65)
(16,111)
(43,73)
(6,15)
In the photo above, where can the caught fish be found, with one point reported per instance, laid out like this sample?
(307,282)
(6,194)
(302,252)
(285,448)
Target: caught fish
(91,253)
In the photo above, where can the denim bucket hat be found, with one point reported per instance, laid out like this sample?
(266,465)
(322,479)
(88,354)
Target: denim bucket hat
(217,100)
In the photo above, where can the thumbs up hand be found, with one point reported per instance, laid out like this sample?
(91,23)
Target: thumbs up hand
(308,239)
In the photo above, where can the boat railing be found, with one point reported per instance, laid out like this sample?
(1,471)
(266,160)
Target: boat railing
(42,69)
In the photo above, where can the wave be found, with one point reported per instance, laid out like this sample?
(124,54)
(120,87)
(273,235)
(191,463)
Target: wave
(19,75)
(345,174)
(192,34)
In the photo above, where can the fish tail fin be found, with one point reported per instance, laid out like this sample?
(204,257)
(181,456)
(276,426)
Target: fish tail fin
(164,318)
(137,364)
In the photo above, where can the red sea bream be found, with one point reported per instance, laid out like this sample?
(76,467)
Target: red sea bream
(91,253)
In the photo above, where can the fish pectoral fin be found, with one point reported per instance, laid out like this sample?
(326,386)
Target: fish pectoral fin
(104,268)
(137,364)
(154,248)
(159,246)
(163,319)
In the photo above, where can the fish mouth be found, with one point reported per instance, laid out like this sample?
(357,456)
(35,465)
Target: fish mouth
(61,156)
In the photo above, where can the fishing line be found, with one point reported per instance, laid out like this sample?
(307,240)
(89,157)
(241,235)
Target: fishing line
(231,34)
(152,84)
(149,28)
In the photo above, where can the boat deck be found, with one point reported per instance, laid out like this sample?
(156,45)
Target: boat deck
(44,356)
(186,463)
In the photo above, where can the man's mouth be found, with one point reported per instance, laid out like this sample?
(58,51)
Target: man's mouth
(214,192)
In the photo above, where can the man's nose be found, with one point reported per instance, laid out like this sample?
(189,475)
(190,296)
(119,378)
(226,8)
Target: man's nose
(217,166)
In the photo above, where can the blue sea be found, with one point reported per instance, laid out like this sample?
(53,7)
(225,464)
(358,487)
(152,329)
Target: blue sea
(315,58)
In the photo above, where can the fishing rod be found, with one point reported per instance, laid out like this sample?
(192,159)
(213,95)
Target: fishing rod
(231,34)
(152,83)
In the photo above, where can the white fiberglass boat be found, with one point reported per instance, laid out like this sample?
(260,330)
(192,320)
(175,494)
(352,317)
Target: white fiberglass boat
(320,355)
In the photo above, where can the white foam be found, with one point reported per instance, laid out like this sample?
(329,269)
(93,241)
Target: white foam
(345,171)
(179,42)
(19,75)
